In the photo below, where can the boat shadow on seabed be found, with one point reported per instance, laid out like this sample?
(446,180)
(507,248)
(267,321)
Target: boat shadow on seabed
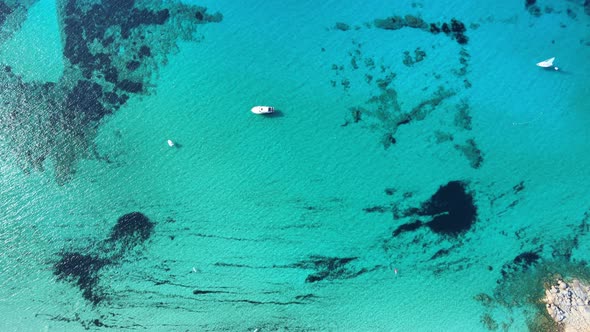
(547,65)
(276,114)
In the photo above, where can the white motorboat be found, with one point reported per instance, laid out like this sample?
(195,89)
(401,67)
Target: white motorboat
(170,143)
(262,109)
(548,64)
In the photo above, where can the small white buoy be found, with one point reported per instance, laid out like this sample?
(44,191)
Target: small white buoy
(170,143)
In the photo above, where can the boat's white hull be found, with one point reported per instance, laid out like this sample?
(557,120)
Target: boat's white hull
(547,63)
(262,109)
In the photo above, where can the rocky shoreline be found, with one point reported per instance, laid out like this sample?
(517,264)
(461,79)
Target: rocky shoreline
(569,305)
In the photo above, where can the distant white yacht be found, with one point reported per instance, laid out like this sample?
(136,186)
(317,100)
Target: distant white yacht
(170,143)
(262,109)
(548,64)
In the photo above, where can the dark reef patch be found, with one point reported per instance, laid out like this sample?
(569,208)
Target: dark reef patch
(409,227)
(440,253)
(471,152)
(144,51)
(462,117)
(452,209)
(415,22)
(330,268)
(13,14)
(383,113)
(81,270)
(386,111)
(532,7)
(377,209)
(526,259)
(390,23)
(199,15)
(133,227)
(454,29)
(87,324)
(111,50)
(132,65)
(464,61)
(342,26)
(5,10)
(389,191)
(419,56)
(203,292)
(304,297)
(130,86)
(84,100)
(521,263)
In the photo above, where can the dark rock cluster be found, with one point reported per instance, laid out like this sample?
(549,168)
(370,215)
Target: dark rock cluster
(82,269)
(473,154)
(462,117)
(330,268)
(454,29)
(5,10)
(84,100)
(532,7)
(133,227)
(342,26)
(408,227)
(13,13)
(419,55)
(464,57)
(398,22)
(451,210)
(111,48)
(83,26)
(387,111)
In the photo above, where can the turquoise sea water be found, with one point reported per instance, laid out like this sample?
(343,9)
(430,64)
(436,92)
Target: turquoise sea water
(298,221)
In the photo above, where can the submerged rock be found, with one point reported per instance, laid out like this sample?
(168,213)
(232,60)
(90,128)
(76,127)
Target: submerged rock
(132,227)
(342,26)
(390,23)
(330,268)
(471,152)
(408,227)
(452,209)
(81,270)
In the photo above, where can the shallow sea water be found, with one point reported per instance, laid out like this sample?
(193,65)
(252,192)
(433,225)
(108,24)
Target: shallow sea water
(288,222)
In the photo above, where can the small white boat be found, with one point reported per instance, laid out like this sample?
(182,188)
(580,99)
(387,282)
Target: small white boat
(170,143)
(262,109)
(548,64)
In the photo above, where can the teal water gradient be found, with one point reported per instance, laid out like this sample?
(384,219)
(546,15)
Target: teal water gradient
(250,196)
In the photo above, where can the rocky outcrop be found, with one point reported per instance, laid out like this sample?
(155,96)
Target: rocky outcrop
(569,305)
